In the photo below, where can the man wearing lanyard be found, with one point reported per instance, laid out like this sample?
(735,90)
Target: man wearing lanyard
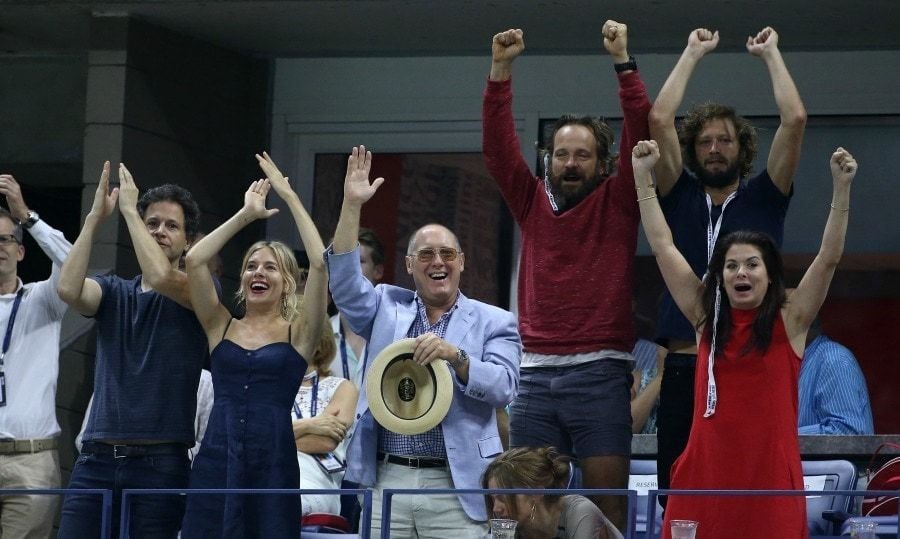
(713,197)
(30,316)
(150,349)
(480,343)
(351,348)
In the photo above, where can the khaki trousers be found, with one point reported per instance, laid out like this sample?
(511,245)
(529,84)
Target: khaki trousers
(29,516)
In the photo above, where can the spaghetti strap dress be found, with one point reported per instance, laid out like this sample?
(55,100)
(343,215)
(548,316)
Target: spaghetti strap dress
(249,443)
(749,443)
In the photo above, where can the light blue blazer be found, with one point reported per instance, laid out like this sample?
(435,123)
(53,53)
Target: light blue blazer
(383,314)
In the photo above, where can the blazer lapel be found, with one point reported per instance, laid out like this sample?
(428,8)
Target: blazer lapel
(461,321)
(406,313)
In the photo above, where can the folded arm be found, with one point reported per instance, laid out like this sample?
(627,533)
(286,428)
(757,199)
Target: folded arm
(325,432)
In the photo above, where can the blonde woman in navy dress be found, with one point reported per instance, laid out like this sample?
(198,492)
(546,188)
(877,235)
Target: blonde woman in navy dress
(258,362)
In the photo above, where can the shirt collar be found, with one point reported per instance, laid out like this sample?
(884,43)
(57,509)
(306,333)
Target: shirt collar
(19,285)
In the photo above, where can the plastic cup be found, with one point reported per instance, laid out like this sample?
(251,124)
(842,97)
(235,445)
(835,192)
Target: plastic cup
(503,528)
(684,529)
(863,530)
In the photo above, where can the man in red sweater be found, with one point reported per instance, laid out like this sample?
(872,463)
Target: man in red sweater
(579,235)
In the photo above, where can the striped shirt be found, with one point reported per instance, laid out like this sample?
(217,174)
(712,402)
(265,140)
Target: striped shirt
(430,443)
(833,394)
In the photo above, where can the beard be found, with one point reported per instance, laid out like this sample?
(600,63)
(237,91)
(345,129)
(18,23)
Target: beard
(720,179)
(569,196)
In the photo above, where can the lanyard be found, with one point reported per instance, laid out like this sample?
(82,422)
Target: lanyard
(712,231)
(343,347)
(314,405)
(712,235)
(9,325)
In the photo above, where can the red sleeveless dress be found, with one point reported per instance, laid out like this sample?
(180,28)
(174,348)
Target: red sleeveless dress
(749,443)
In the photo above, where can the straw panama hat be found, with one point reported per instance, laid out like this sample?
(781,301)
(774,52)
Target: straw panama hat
(405,397)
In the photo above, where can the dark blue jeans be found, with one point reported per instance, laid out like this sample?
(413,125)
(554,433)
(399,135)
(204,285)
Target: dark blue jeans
(151,516)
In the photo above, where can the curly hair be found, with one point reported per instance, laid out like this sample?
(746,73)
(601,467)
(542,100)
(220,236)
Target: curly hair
(771,304)
(603,134)
(694,121)
(287,266)
(526,467)
(171,192)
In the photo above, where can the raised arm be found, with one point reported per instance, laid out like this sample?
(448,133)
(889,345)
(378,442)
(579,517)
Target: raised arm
(74,288)
(806,300)
(213,316)
(785,153)
(357,191)
(156,269)
(662,115)
(505,48)
(315,298)
(683,284)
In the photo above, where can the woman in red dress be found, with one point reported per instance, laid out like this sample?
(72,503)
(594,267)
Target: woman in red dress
(750,343)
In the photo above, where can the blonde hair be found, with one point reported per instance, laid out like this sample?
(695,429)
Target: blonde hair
(289,269)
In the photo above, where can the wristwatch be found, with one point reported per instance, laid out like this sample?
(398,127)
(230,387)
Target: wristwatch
(461,358)
(33,218)
(630,65)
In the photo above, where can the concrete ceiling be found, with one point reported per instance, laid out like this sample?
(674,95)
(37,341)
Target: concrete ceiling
(455,27)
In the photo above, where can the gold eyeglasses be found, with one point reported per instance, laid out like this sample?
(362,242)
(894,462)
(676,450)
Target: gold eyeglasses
(427,254)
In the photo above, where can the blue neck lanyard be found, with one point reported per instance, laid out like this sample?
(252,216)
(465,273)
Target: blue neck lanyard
(9,325)
(343,347)
(314,405)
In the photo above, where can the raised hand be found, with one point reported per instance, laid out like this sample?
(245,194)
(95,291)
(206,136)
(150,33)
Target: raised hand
(644,156)
(128,190)
(255,200)
(277,180)
(507,46)
(843,167)
(615,39)
(357,188)
(9,188)
(702,41)
(764,42)
(104,199)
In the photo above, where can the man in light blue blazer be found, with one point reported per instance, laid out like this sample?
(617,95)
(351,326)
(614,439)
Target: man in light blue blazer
(480,343)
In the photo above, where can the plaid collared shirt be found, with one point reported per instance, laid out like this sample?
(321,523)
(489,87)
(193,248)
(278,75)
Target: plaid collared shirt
(430,443)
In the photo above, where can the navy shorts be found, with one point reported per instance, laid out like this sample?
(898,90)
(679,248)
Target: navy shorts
(582,410)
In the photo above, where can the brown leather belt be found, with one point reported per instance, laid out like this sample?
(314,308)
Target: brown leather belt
(9,446)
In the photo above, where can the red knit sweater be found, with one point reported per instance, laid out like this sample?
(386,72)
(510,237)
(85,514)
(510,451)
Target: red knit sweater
(576,269)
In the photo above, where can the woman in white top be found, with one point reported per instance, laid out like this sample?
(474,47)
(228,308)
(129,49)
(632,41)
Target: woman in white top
(323,414)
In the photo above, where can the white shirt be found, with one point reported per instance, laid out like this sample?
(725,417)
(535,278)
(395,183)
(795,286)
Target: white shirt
(31,364)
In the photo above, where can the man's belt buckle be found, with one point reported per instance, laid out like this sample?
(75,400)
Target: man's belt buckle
(116,449)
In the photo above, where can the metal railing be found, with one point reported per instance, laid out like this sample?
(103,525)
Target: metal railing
(652,495)
(389,493)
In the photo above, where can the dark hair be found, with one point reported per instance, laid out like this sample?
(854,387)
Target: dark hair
(17,226)
(772,302)
(527,467)
(692,124)
(368,238)
(602,134)
(170,192)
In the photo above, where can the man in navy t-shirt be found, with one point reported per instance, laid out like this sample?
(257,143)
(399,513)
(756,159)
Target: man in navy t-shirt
(713,197)
(150,349)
